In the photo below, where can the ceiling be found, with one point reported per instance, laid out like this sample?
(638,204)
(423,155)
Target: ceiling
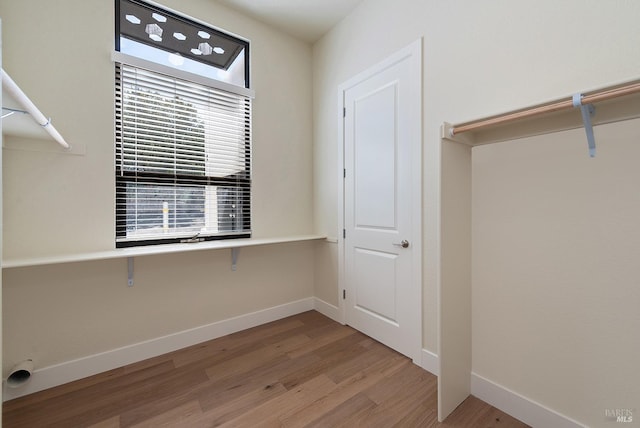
(307,20)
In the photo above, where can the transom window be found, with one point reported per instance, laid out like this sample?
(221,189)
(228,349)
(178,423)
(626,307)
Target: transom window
(183,129)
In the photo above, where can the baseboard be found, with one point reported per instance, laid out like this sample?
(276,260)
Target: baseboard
(69,371)
(328,310)
(522,408)
(430,362)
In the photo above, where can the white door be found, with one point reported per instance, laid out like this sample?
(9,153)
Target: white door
(382,202)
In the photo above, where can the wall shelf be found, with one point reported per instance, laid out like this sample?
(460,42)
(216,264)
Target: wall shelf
(233,244)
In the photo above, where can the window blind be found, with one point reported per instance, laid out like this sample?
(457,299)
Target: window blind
(183,166)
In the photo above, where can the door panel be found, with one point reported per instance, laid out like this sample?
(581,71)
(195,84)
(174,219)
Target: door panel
(375,267)
(374,137)
(382,202)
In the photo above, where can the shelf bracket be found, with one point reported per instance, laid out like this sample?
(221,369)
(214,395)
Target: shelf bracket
(130,271)
(10,111)
(446,133)
(235,252)
(587,111)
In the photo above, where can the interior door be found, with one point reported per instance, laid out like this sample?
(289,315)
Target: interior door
(382,202)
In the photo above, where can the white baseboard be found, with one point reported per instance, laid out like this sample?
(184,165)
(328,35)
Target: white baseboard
(522,408)
(69,371)
(430,362)
(328,310)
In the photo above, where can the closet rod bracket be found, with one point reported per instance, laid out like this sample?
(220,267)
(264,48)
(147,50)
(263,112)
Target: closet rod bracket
(11,111)
(130,271)
(587,110)
(235,252)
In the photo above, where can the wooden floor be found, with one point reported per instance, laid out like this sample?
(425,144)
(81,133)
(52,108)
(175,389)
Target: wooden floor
(302,371)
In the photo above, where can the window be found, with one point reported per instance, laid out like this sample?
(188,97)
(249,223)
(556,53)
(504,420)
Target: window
(183,130)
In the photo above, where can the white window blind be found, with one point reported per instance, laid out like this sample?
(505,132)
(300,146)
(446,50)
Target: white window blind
(182,160)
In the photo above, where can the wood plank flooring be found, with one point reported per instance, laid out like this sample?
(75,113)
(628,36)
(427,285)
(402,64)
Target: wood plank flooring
(301,371)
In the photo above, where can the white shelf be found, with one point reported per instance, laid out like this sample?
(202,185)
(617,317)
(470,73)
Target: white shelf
(156,249)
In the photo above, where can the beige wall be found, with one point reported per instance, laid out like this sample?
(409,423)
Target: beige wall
(482,58)
(60,54)
(555,269)
(54,204)
(326,273)
(57,313)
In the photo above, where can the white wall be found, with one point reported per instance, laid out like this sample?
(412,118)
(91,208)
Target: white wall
(482,58)
(555,269)
(59,52)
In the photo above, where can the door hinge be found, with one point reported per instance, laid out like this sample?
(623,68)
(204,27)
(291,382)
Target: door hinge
(344,173)
(344,294)
(344,112)
(344,233)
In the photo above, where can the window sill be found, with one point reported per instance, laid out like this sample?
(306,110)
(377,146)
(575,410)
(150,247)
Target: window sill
(156,249)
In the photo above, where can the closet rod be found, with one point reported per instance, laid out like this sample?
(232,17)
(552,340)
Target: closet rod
(14,90)
(593,97)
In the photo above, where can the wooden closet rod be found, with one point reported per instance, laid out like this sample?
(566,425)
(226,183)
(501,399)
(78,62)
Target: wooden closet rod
(593,97)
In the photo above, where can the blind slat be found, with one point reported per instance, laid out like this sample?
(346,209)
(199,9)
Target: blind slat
(182,158)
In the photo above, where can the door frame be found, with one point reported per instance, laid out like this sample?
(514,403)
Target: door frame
(414,52)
